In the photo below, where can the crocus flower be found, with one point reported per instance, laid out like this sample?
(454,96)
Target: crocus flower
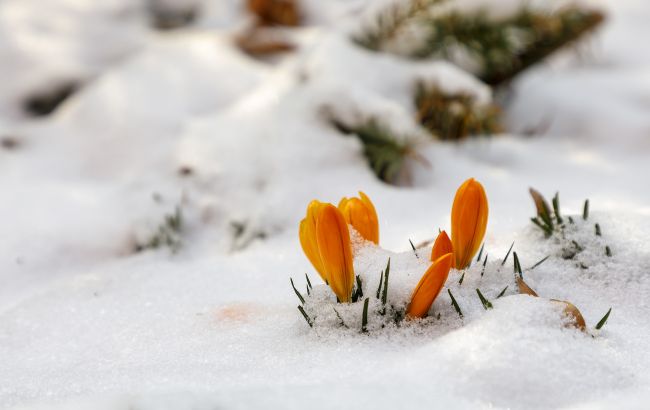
(469,215)
(325,239)
(361,214)
(441,246)
(308,237)
(333,241)
(429,287)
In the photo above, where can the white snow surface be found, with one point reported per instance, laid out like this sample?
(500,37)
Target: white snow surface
(86,323)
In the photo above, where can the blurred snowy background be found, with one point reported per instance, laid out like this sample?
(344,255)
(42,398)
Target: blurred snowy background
(156,157)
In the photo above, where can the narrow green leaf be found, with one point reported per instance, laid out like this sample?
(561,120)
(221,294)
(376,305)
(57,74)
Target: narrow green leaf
(486,303)
(340,318)
(585,210)
(556,208)
(540,262)
(384,295)
(364,318)
(480,253)
(454,303)
(414,251)
(381,280)
(608,251)
(502,292)
(484,263)
(517,267)
(308,281)
(460,282)
(602,321)
(302,300)
(507,254)
(598,233)
(304,314)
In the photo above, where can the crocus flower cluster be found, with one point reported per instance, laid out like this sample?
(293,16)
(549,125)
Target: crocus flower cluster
(325,239)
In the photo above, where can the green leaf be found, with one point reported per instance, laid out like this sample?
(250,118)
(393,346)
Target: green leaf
(364,318)
(413,247)
(556,208)
(507,254)
(598,233)
(602,321)
(480,253)
(517,267)
(302,300)
(585,210)
(486,303)
(540,262)
(460,282)
(384,295)
(307,318)
(484,263)
(502,292)
(454,303)
(381,280)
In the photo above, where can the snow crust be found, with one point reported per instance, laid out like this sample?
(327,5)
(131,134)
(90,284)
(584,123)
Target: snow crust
(87,323)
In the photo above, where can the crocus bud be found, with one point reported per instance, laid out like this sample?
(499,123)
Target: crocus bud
(361,214)
(469,215)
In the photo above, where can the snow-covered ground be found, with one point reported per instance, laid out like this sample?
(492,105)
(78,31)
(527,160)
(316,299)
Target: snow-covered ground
(183,119)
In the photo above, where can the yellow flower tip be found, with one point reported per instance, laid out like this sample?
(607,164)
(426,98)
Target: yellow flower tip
(361,214)
(429,287)
(307,234)
(333,241)
(441,246)
(469,215)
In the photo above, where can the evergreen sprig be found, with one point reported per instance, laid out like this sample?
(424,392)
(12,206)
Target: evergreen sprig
(453,116)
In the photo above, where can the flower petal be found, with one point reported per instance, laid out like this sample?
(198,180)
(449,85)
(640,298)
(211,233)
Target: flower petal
(429,287)
(361,214)
(307,235)
(441,246)
(333,239)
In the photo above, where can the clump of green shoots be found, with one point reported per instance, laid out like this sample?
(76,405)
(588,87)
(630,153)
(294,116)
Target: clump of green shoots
(550,220)
(167,234)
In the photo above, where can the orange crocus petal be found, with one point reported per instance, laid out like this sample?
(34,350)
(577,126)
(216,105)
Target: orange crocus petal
(469,216)
(361,214)
(333,239)
(308,238)
(441,246)
(429,287)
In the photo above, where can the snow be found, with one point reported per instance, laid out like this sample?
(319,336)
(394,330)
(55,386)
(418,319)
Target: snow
(85,322)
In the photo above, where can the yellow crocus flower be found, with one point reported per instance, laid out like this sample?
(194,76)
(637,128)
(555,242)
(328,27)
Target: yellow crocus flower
(469,215)
(361,214)
(429,287)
